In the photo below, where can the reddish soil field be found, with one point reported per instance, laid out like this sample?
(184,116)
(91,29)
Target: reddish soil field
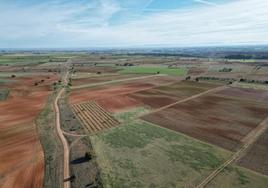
(217,119)
(246,93)
(118,103)
(160,80)
(87,94)
(257,157)
(164,95)
(153,98)
(185,89)
(96,69)
(98,79)
(195,71)
(22,160)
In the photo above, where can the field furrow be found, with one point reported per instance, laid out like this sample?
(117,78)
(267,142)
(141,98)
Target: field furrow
(94,117)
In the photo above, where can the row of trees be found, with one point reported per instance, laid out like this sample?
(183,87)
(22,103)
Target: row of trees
(233,79)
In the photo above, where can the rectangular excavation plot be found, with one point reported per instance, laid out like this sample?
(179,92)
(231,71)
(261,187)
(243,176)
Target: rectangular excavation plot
(94,117)
(219,119)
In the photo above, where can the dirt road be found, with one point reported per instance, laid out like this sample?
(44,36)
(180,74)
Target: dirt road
(66,152)
(114,81)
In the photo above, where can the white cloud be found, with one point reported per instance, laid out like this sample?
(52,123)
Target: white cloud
(243,21)
(205,2)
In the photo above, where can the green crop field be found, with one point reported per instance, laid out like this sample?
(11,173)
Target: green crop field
(140,154)
(155,70)
(131,114)
(239,177)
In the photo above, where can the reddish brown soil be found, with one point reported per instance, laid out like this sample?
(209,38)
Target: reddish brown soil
(153,98)
(86,94)
(22,161)
(219,120)
(164,95)
(246,93)
(96,69)
(118,103)
(98,79)
(194,71)
(257,157)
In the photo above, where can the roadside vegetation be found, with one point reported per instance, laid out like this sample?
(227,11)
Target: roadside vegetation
(140,154)
(239,177)
(52,147)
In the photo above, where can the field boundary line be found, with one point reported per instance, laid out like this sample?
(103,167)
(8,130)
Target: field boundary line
(127,93)
(185,100)
(263,126)
(114,81)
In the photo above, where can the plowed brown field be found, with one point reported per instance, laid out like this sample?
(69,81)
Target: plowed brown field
(107,91)
(220,119)
(98,79)
(118,103)
(257,157)
(164,95)
(81,95)
(21,156)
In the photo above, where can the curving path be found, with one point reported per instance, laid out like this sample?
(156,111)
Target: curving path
(66,157)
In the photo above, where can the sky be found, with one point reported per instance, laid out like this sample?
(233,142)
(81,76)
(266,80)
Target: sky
(132,23)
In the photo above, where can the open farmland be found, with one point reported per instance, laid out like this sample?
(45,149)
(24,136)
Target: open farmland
(110,89)
(223,120)
(155,70)
(165,95)
(94,117)
(105,119)
(257,157)
(19,134)
(140,154)
(239,177)
(99,78)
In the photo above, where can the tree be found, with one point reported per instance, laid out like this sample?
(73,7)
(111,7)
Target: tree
(88,155)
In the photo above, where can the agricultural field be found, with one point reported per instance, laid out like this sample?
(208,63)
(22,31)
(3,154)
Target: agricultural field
(238,177)
(18,130)
(94,117)
(222,118)
(140,154)
(121,120)
(257,157)
(155,70)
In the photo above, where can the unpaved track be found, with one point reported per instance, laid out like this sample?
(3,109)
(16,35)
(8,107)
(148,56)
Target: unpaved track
(114,81)
(254,136)
(66,157)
